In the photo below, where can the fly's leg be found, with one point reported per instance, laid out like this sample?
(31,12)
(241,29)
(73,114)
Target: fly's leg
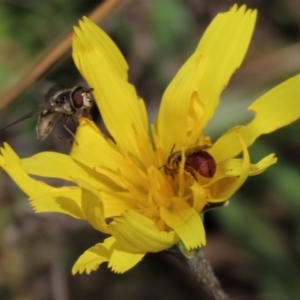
(73,118)
(63,138)
(64,124)
(88,115)
(70,131)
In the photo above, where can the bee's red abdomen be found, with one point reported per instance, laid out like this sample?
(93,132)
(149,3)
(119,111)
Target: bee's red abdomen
(202,162)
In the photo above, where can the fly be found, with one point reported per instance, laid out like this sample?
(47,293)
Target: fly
(62,104)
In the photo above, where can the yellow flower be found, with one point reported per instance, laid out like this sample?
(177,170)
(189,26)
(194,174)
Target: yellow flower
(129,187)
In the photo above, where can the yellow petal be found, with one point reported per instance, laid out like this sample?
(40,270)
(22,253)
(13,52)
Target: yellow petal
(138,234)
(56,165)
(233,167)
(104,68)
(199,197)
(191,98)
(65,200)
(122,261)
(11,163)
(275,109)
(101,157)
(185,221)
(227,186)
(91,259)
(262,165)
(92,205)
(43,197)
(229,168)
(116,203)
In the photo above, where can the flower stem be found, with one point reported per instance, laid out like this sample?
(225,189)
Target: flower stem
(201,268)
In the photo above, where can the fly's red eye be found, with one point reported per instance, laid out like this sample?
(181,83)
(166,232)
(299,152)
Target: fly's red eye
(202,162)
(77,98)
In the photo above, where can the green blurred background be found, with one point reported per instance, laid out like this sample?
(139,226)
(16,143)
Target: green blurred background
(253,244)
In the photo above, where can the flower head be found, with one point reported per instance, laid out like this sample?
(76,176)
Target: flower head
(146,186)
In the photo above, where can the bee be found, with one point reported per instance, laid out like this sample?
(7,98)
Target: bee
(197,161)
(62,104)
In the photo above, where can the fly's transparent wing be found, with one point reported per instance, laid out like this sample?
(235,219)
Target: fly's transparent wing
(47,121)
(53,91)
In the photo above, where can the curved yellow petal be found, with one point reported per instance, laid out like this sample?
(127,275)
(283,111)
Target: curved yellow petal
(65,200)
(91,259)
(56,165)
(275,109)
(43,197)
(229,168)
(233,167)
(92,205)
(11,163)
(191,98)
(102,158)
(262,165)
(104,68)
(228,185)
(121,261)
(199,197)
(116,203)
(185,221)
(138,234)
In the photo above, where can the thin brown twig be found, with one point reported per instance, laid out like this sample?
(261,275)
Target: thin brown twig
(59,50)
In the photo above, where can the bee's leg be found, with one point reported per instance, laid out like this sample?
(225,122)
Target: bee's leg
(172,149)
(191,171)
(167,170)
